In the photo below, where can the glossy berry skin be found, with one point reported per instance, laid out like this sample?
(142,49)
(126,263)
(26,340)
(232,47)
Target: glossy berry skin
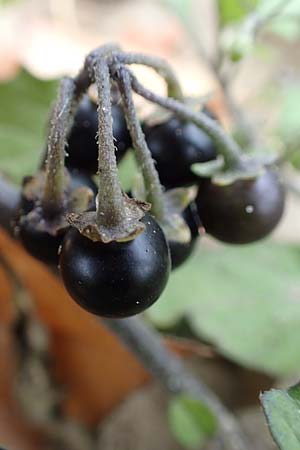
(179,251)
(243,212)
(176,145)
(82,149)
(116,279)
(40,244)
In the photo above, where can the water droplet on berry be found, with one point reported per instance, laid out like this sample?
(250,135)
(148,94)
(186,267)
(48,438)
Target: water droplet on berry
(249,209)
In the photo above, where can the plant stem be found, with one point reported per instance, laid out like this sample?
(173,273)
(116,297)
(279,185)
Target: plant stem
(53,200)
(146,345)
(159,65)
(110,210)
(227,146)
(143,155)
(86,75)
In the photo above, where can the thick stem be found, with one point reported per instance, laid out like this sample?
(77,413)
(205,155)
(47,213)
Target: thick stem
(53,199)
(110,210)
(154,192)
(159,65)
(227,146)
(146,345)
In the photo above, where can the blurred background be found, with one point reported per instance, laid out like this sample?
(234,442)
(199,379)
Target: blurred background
(234,310)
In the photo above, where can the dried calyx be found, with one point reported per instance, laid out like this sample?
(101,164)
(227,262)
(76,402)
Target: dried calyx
(48,196)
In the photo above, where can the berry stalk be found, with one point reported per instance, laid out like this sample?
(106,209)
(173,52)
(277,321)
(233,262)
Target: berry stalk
(227,146)
(111,207)
(143,155)
(53,199)
(158,64)
(86,76)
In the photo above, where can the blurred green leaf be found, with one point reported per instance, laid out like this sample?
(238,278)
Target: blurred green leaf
(191,422)
(5,2)
(127,171)
(25,103)
(234,10)
(282,410)
(244,300)
(288,126)
(295,158)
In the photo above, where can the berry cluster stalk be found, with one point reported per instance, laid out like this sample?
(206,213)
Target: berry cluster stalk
(86,76)
(159,65)
(53,200)
(110,210)
(154,192)
(227,146)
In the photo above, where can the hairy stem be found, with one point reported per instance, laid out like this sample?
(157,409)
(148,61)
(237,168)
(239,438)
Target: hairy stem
(110,210)
(145,343)
(226,145)
(154,192)
(53,199)
(86,75)
(159,65)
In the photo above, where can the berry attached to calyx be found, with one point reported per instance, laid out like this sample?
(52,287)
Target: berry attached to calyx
(41,244)
(41,232)
(176,145)
(117,279)
(82,149)
(181,251)
(244,211)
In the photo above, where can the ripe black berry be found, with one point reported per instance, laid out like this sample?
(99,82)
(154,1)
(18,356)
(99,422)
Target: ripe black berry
(176,145)
(82,149)
(179,251)
(242,212)
(116,279)
(40,244)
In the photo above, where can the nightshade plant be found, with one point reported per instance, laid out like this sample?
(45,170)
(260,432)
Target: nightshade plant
(115,258)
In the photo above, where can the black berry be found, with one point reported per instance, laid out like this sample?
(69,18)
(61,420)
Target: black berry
(179,251)
(82,149)
(39,243)
(116,279)
(242,212)
(176,145)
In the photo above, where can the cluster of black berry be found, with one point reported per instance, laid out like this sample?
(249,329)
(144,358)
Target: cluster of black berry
(114,251)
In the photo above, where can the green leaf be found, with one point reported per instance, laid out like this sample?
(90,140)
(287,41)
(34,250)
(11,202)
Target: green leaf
(25,107)
(282,410)
(3,3)
(209,168)
(295,159)
(245,300)
(234,10)
(289,128)
(127,171)
(191,421)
